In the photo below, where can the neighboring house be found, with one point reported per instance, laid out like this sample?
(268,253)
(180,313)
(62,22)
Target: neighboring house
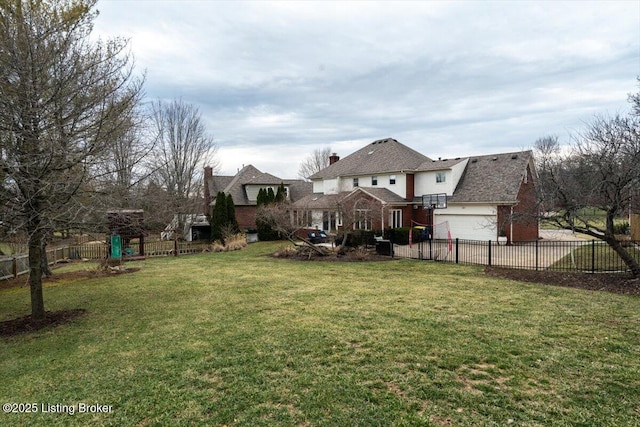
(193,227)
(486,196)
(244,188)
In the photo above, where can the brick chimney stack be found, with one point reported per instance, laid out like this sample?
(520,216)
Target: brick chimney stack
(208,176)
(333,158)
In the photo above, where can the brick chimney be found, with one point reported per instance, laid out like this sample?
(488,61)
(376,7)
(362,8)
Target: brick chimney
(333,158)
(208,176)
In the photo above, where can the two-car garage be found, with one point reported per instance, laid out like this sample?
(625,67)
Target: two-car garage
(474,222)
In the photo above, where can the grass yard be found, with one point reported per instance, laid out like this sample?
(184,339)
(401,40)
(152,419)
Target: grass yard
(242,339)
(598,256)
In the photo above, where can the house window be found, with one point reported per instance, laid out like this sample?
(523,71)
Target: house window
(302,218)
(362,220)
(355,182)
(374,180)
(395,221)
(328,221)
(441,177)
(392,179)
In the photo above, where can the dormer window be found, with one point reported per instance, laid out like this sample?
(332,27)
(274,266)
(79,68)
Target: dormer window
(355,182)
(374,180)
(441,177)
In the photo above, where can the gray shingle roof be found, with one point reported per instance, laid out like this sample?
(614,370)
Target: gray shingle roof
(384,194)
(381,156)
(494,178)
(249,174)
(318,201)
(436,165)
(330,201)
(298,188)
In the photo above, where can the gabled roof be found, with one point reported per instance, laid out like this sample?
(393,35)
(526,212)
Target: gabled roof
(250,175)
(384,195)
(330,201)
(381,156)
(494,178)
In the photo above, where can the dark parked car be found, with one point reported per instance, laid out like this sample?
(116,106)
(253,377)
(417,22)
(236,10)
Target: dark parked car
(318,236)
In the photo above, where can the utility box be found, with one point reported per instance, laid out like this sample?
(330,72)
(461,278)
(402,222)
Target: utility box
(384,247)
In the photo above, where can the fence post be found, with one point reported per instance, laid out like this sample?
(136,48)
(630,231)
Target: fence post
(489,253)
(175,247)
(457,250)
(14,267)
(593,256)
(537,254)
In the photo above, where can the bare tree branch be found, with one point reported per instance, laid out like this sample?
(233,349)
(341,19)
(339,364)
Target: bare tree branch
(317,161)
(64,100)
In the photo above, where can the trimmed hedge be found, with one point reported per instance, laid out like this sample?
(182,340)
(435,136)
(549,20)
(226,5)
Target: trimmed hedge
(400,236)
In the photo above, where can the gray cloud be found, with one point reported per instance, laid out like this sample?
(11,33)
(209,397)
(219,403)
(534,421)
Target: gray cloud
(276,80)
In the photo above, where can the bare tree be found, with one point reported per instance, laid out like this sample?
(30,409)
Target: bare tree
(317,161)
(634,98)
(63,101)
(122,168)
(184,147)
(602,170)
(279,216)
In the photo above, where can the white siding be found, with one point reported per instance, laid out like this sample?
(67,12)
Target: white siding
(425,182)
(456,173)
(318,186)
(364,181)
(331,186)
(252,190)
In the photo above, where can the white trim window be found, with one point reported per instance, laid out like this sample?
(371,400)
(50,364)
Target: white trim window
(441,177)
(374,181)
(362,220)
(395,218)
(392,179)
(355,182)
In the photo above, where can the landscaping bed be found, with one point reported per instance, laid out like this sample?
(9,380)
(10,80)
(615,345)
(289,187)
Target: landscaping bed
(616,283)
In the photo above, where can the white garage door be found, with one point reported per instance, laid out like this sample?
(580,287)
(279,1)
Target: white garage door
(469,227)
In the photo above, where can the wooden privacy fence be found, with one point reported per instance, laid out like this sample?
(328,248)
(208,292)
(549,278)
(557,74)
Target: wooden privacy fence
(587,256)
(16,265)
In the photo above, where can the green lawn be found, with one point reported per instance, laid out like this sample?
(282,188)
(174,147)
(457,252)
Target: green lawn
(242,339)
(597,256)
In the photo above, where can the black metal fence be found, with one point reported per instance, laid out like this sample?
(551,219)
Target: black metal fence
(588,256)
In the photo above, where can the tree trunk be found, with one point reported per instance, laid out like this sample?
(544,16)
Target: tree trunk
(46,271)
(35,277)
(629,260)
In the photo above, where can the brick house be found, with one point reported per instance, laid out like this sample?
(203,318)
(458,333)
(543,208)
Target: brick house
(485,196)
(244,187)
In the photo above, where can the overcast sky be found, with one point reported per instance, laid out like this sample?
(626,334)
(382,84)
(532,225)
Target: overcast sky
(276,80)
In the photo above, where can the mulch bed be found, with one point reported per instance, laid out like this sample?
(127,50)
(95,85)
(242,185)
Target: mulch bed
(23,325)
(615,283)
(81,274)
